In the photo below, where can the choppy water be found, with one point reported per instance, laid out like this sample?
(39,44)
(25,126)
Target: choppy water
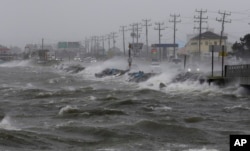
(50,108)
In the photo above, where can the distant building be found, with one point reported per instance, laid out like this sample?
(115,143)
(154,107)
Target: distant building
(208,38)
(5,53)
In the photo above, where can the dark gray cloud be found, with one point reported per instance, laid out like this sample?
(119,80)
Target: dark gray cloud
(27,21)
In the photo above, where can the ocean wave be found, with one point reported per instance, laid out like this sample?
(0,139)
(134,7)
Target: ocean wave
(156,107)
(6,123)
(21,140)
(124,103)
(75,111)
(240,107)
(194,119)
(68,110)
(168,132)
(201,149)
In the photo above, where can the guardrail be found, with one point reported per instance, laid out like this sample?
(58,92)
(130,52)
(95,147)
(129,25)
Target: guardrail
(237,70)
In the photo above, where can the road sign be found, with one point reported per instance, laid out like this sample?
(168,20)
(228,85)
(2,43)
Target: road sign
(217,48)
(136,46)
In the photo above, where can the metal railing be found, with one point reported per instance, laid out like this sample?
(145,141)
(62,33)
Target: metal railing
(237,70)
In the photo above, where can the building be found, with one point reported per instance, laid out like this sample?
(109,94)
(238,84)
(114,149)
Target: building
(208,38)
(5,53)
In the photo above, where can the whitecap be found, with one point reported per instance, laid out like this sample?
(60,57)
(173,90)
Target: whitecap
(92,98)
(67,109)
(203,149)
(7,124)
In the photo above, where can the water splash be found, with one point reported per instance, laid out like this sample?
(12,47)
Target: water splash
(22,63)
(7,124)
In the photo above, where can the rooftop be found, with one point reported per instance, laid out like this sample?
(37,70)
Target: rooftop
(208,35)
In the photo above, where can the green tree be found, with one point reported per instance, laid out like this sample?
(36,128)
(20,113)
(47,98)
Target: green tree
(242,49)
(246,41)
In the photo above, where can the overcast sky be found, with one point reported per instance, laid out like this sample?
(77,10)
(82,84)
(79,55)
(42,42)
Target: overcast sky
(28,21)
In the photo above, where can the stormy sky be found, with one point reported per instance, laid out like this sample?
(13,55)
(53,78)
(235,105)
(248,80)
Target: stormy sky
(28,21)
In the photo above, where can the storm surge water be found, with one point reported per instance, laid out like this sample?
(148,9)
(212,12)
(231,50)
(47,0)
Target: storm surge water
(65,107)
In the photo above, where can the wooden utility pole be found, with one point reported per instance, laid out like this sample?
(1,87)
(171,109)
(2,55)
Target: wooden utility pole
(159,28)
(123,36)
(137,36)
(96,44)
(135,32)
(147,25)
(86,43)
(223,21)
(200,19)
(175,21)
(113,36)
(102,38)
(108,38)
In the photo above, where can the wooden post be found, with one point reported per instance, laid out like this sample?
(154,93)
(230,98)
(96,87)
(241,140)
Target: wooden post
(185,60)
(222,61)
(212,60)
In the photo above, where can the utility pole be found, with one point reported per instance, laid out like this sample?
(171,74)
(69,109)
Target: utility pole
(159,28)
(86,44)
(43,51)
(96,44)
(42,43)
(175,21)
(147,25)
(137,32)
(108,38)
(133,34)
(103,39)
(113,36)
(200,21)
(123,36)
(92,45)
(223,21)
(137,36)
